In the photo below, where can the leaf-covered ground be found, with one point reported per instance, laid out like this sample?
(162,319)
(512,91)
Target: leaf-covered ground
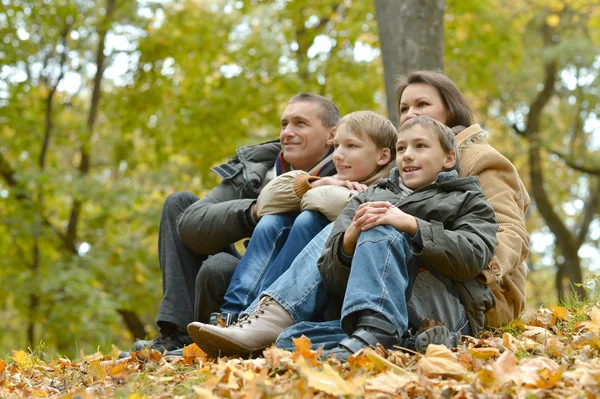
(549,353)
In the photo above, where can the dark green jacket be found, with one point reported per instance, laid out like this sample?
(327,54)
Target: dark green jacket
(222,217)
(458,231)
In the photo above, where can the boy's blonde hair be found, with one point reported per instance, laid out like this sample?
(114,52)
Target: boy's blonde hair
(377,127)
(444,134)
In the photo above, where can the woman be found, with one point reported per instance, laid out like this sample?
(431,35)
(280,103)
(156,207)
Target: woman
(298,295)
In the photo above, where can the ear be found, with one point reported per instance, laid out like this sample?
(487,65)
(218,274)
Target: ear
(331,136)
(385,156)
(450,160)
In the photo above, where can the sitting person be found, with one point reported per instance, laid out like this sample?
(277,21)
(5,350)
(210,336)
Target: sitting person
(364,145)
(423,220)
(196,233)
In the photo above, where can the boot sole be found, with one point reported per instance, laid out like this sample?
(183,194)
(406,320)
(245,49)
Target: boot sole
(217,346)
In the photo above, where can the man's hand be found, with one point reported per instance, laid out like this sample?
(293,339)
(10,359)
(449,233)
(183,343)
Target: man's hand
(332,181)
(371,214)
(254,211)
(350,239)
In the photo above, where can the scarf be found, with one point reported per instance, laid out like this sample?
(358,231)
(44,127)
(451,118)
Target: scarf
(323,168)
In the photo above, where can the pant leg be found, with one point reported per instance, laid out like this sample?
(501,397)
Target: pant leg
(300,289)
(211,284)
(178,264)
(269,236)
(306,226)
(378,278)
(327,334)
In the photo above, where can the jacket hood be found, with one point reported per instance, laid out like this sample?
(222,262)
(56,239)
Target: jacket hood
(448,180)
(474,134)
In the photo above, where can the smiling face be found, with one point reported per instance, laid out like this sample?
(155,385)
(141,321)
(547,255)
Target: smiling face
(304,139)
(356,157)
(422,99)
(420,157)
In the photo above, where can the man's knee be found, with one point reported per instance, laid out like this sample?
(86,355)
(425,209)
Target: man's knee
(217,269)
(177,202)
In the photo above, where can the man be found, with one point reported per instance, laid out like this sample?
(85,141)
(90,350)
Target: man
(191,229)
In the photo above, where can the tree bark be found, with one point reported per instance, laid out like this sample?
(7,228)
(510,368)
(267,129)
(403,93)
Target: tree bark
(411,33)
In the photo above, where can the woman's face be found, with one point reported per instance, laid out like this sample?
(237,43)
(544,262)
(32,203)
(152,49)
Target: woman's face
(420,99)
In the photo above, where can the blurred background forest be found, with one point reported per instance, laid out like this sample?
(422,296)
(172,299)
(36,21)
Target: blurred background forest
(108,106)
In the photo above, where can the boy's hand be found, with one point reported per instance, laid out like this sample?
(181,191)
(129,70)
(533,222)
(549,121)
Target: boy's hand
(332,181)
(350,239)
(371,214)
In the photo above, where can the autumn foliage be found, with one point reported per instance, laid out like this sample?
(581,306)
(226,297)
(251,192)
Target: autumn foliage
(551,352)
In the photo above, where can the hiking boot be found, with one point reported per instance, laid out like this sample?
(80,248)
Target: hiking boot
(223,319)
(252,333)
(372,328)
(169,339)
(439,335)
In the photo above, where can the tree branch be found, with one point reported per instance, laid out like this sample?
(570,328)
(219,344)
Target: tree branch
(589,212)
(576,165)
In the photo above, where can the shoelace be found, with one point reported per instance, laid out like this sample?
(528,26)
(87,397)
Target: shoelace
(258,311)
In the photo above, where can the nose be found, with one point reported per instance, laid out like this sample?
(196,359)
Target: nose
(286,133)
(408,155)
(338,154)
(412,113)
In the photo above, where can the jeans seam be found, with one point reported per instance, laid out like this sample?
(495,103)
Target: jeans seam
(263,268)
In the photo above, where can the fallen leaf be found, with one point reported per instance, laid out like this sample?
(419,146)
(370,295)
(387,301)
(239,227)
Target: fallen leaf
(382,364)
(540,334)
(327,380)
(303,348)
(540,372)
(96,370)
(439,360)
(194,352)
(560,312)
(594,323)
(484,353)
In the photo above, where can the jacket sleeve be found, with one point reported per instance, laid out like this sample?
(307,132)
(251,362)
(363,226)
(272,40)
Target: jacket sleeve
(278,196)
(464,247)
(503,188)
(329,200)
(217,220)
(334,271)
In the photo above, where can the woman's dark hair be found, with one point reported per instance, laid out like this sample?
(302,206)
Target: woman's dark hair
(459,112)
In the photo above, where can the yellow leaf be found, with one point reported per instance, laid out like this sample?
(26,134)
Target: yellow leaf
(553,20)
(382,364)
(540,372)
(303,346)
(439,360)
(484,353)
(328,380)
(96,370)
(560,312)
(20,357)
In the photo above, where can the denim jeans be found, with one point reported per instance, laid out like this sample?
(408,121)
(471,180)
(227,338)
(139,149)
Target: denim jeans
(275,243)
(378,281)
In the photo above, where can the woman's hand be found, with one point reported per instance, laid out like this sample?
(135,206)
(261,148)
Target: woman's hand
(332,181)
(371,214)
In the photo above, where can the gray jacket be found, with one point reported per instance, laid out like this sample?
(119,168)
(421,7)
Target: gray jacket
(458,232)
(223,216)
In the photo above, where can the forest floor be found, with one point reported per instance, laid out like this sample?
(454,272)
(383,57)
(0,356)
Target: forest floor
(549,353)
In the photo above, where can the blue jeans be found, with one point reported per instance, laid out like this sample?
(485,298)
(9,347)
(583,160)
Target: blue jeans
(378,281)
(275,243)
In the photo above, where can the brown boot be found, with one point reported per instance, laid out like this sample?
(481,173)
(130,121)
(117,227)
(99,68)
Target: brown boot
(251,334)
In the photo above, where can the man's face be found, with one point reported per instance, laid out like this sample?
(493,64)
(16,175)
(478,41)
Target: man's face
(304,139)
(420,157)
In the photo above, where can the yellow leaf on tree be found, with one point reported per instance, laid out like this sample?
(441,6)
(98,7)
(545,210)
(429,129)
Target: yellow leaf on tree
(439,360)
(553,20)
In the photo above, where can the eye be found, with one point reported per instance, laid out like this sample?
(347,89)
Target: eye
(283,125)
(422,104)
(336,145)
(352,146)
(301,123)
(421,145)
(403,109)
(400,148)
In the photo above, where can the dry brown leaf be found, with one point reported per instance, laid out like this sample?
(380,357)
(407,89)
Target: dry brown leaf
(529,316)
(303,348)
(585,373)
(391,383)
(505,368)
(328,380)
(594,324)
(540,372)
(382,364)
(510,342)
(194,352)
(438,361)
(540,334)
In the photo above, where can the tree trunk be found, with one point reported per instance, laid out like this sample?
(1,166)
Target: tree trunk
(411,33)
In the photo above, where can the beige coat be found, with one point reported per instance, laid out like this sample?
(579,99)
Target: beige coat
(503,188)
(292,192)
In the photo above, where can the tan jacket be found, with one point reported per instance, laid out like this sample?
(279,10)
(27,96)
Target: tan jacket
(292,192)
(503,188)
